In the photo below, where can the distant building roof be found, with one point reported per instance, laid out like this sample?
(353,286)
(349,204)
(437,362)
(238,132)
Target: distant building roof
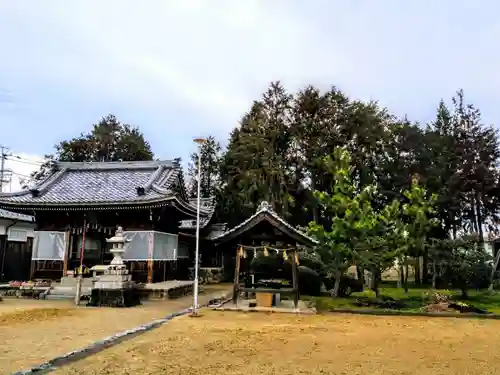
(4,214)
(103,185)
(207,205)
(264,213)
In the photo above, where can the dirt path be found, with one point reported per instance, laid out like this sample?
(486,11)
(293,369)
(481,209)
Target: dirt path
(34,331)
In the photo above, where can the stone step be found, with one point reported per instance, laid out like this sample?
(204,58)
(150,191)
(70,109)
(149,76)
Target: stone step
(72,281)
(58,297)
(67,291)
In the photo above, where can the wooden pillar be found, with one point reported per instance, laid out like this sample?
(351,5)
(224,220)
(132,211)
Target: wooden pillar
(66,253)
(295,280)
(32,268)
(150,259)
(150,271)
(236,276)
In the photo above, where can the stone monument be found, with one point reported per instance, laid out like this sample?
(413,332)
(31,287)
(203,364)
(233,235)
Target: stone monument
(115,287)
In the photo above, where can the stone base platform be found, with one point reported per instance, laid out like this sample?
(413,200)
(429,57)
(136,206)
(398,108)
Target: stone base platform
(167,290)
(114,297)
(284,307)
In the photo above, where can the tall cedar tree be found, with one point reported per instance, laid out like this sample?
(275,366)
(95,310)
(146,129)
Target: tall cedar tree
(255,163)
(211,153)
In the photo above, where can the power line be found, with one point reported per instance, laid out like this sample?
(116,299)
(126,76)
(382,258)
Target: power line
(24,161)
(6,174)
(20,174)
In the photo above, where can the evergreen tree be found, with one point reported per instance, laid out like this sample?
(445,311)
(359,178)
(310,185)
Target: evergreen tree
(255,166)
(211,153)
(109,140)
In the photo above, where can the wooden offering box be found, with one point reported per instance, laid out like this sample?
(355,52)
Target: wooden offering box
(264,299)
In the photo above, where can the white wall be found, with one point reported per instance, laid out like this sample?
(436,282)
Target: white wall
(30,227)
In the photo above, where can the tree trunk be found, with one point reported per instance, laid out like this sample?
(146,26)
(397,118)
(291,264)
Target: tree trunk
(434,274)
(336,287)
(425,267)
(479,218)
(453,224)
(375,282)
(361,275)
(473,213)
(464,295)
(407,268)
(315,205)
(402,274)
(494,270)
(416,264)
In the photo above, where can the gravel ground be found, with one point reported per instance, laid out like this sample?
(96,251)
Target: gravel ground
(232,343)
(34,331)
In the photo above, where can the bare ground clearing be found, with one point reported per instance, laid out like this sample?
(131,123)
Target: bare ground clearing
(32,332)
(255,343)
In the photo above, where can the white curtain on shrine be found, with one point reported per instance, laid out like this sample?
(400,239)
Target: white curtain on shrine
(165,246)
(145,245)
(49,245)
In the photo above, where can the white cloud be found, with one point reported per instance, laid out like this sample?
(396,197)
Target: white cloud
(216,57)
(208,59)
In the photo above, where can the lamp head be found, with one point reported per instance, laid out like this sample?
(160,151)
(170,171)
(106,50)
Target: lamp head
(200,141)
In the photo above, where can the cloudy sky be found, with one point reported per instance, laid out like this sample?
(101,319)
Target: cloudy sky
(185,68)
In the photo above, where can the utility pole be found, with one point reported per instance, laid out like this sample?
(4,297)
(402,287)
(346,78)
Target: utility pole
(2,165)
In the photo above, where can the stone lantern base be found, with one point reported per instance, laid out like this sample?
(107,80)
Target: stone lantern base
(114,289)
(114,297)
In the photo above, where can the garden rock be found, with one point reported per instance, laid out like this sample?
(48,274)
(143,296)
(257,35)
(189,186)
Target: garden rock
(437,307)
(383,303)
(464,308)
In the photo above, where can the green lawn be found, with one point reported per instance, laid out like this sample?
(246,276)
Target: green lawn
(414,299)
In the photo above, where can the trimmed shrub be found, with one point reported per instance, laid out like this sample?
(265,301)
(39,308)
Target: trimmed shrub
(314,264)
(348,285)
(309,281)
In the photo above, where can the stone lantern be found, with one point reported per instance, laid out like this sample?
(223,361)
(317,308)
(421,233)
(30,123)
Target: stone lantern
(115,287)
(118,247)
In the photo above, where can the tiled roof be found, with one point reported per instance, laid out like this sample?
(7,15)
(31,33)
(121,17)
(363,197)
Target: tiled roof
(264,212)
(4,214)
(207,208)
(216,230)
(104,184)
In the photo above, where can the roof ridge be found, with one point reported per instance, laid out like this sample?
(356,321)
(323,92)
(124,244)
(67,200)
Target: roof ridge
(50,180)
(76,165)
(265,208)
(74,184)
(40,185)
(147,186)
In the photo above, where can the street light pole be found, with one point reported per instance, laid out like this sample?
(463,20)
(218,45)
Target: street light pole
(199,142)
